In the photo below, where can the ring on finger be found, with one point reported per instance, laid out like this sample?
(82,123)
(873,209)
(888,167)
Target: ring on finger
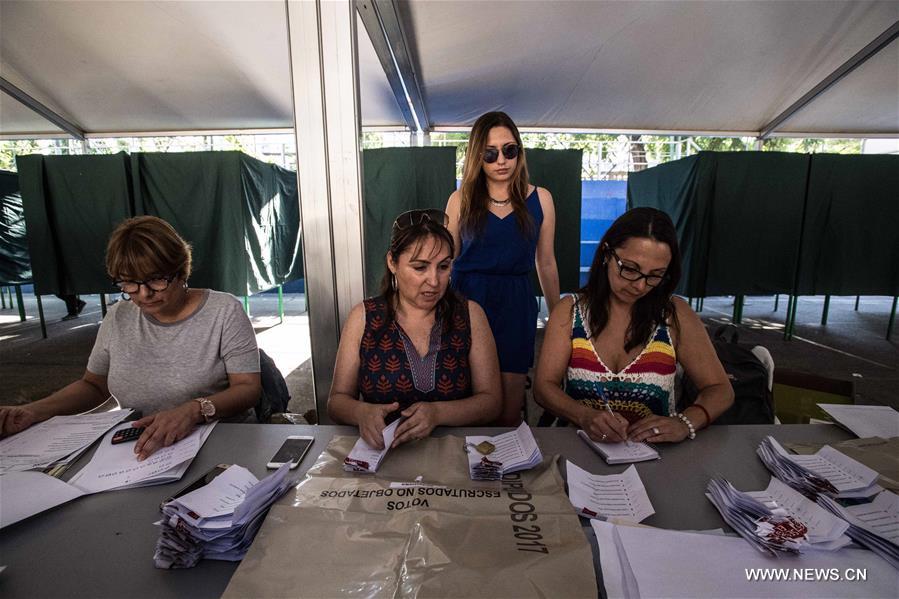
(655,430)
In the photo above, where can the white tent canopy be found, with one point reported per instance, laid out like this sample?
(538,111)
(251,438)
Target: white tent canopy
(691,66)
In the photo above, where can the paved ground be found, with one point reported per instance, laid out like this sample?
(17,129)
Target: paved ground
(851,345)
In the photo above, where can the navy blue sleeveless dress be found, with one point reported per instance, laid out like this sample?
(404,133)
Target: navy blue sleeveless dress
(494,270)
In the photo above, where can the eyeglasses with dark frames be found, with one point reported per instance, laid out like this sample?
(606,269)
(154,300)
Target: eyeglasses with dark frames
(413,218)
(510,151)
(153,284)
(630,273)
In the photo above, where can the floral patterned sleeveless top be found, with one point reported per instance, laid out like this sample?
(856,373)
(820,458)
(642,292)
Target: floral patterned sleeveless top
(390,368)
(643,387)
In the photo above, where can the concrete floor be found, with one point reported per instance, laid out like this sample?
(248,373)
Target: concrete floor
(851,345)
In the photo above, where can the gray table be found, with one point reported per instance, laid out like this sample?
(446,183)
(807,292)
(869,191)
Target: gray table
(102,545)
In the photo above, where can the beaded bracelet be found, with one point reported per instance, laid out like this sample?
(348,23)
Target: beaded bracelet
(708,419)
(692,431)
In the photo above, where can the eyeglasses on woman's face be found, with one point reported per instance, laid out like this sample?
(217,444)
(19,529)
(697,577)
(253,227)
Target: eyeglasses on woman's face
(630,273)
(413,218)
(153,284)
(510,151)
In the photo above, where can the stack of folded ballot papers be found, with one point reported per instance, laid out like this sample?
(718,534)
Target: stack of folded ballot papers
(491,457)
(219,520)
(116,466)
(874,524)
(618,496)
(777,519)
(828,471)
(365,458)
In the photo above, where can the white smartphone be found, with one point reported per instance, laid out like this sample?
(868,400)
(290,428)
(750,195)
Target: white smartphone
(293,450)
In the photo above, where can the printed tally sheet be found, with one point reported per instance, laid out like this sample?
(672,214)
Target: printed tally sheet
(419,527)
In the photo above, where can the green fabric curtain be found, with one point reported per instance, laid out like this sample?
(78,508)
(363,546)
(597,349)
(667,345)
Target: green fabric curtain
(240,215)
(850,241)
(15,265)
(396,180)
(683,189)
(72,203)
(559,171)
(756,218)
(743,216)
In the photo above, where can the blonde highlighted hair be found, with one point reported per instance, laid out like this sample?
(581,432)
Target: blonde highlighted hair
(147,246)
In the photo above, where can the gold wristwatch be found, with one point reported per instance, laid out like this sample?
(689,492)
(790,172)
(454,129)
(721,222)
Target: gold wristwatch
(207,408)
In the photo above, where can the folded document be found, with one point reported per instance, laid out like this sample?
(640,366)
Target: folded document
(620,496)
(365,458)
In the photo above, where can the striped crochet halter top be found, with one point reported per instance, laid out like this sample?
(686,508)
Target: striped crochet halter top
(643,387)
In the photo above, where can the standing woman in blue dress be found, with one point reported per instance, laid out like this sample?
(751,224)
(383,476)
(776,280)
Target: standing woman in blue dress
(502,225)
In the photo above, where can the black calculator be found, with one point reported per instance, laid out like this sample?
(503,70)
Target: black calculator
(125,435)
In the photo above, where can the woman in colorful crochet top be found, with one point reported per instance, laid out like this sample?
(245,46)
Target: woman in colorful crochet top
(615,345)
(419,349)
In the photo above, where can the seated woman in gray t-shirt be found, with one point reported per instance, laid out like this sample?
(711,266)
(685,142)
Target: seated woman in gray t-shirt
(181,356)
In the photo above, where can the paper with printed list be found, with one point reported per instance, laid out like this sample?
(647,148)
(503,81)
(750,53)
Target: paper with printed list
(621,496)
(55,439)
(365,458)
(116,466)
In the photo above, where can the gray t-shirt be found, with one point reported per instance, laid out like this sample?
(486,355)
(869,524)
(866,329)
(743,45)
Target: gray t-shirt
(152,366)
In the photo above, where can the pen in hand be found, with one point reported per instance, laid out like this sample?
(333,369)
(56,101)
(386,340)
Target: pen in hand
(605,402)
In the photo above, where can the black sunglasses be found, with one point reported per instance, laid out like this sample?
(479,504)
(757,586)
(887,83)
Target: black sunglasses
(413,218)
(510,151)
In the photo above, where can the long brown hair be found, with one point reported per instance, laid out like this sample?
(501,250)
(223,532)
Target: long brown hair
(655,307)
(475,199)
(413,237)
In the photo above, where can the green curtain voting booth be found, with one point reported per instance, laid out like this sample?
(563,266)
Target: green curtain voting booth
(760,223)
(240,215)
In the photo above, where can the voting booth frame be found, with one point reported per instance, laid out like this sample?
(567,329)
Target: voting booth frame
(767,223)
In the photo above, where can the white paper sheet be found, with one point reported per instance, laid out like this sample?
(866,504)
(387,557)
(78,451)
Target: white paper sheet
(621,496)
(662,563)
(24,494)
(865,421)
(116,466)
(54,439)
